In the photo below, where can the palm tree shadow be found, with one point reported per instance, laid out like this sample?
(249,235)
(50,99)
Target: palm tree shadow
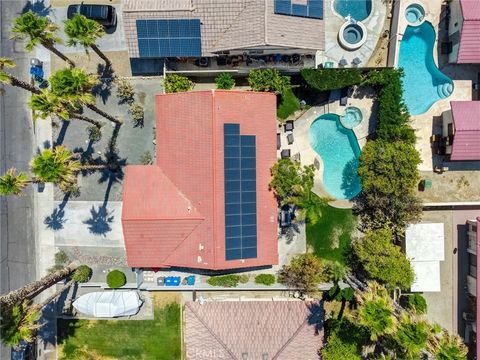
(61,134)
(56,220)
(316,316)
(350,180)
(104,89)
(100,220)
(38,7)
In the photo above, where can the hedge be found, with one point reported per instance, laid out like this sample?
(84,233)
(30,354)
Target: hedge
(225,81)
(265,279)
(116,279)
(176,83)
(331,79)
(224,281)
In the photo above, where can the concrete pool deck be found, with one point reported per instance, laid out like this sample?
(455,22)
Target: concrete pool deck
(363,98)
(333,21)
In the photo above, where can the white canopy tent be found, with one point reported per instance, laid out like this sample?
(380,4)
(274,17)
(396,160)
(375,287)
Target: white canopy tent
(108,304)
(424,246)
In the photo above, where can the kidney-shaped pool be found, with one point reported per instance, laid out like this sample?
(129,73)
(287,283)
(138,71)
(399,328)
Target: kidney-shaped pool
(339,150)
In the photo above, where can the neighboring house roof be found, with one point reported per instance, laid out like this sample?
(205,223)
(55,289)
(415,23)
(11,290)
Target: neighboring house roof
(466,120)
(228,25)
(174,212)
(469,49)
(238,330)
(477,289)
(424,247)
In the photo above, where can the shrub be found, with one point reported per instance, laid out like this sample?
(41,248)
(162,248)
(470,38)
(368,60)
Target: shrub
(265,279)
(146,158)
(415,302)
(82,274)
(225,81)
(331,79)
(137,112)
(268,80)
(116,279)
(61,260)
(305,272)
(125,91)
(176,83)
(94,133)
(224,280)
(244,278)
(290,179)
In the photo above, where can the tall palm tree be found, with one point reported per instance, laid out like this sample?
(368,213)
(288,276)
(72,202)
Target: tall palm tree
(310,204)
(19,322)
(56,166)
(30,290)
(75,86)
(39,30)
(376,311)
(47,104)
(447,346)
(9,79)
(12,183)
(411,337)
(85,32)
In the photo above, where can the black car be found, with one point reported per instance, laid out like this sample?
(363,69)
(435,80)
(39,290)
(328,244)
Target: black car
(104,14)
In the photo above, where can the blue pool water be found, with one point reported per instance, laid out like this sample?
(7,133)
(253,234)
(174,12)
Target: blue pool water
(358,9)
(339,150)
(423,84)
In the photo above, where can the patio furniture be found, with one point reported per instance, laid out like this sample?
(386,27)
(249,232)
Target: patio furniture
(289,125)
(356,61)
(191,280)
(285,153)
(279,142)
(328,65)
(343,62)
(161,281)
(296,157)
(172,281)
(290,139)
(344,96)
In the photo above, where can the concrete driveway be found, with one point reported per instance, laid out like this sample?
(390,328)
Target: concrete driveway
(114,40)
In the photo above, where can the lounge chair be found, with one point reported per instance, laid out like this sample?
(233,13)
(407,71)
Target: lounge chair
(285,153)
(290,139)
(279,142)
(289,125)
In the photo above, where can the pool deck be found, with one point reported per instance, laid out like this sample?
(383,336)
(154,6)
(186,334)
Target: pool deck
(363,99)
(333,21)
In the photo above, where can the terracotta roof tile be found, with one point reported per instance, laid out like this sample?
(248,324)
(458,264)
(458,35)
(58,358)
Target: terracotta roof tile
(469,49)
(466,119)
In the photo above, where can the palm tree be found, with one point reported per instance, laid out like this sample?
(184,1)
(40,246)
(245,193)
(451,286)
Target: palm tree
(75,86)
(47,104)
(376,311)
(411,337)
(335,271)
(12,183)
(30,290)
(447,346)
(19,322)
(85,32)
(9,79)
(39,30)
(56,166)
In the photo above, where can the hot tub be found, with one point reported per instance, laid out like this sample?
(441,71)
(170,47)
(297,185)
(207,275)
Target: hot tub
(352,35)
(415,14)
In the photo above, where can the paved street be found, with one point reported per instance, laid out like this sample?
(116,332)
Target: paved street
(17,252)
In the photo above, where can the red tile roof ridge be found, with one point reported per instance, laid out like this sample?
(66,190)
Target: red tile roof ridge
(294,335)
(213,91)
(180,243)
(215,336)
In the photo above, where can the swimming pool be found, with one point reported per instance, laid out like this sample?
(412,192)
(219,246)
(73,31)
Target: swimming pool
(339,150)
(357,9)
(423,84)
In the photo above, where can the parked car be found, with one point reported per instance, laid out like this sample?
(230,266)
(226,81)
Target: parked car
(103,14)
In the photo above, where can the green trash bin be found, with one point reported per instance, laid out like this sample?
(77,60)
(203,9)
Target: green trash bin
(426,184)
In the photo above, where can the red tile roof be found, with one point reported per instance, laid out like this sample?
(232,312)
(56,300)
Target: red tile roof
(469,49)
(282,330)
(173,212)
(466,120)
(477,288)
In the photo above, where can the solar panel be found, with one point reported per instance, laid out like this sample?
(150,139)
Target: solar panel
(240,194)
(169,38)
(313,8)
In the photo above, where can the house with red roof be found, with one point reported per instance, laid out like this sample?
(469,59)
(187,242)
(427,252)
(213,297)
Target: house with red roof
(463,30)
(461,129)
(206,202)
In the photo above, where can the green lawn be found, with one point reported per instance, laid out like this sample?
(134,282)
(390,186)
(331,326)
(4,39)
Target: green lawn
(331,236)
(157,339)
(289,103)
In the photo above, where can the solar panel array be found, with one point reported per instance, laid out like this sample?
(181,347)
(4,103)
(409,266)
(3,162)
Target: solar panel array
(313,8)
(240,194)
(169,38)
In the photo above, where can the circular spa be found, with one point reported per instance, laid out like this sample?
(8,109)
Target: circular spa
(352,35)
(415,14)
(352,116)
